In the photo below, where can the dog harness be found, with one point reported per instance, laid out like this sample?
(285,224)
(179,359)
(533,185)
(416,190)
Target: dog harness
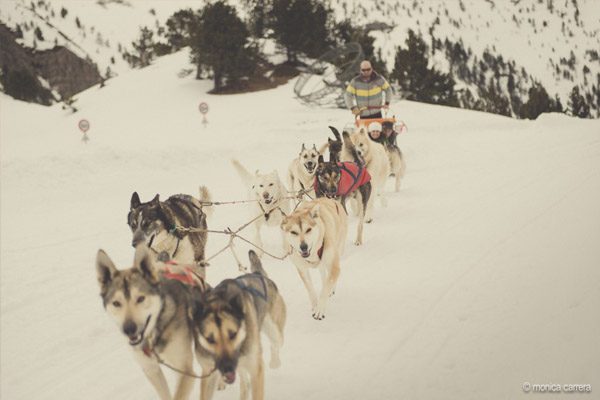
(184,274)
(352,177)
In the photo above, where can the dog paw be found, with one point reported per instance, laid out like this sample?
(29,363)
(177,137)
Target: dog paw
(331,293)
(368,221)
(358,242)
(221,385)
(318,316)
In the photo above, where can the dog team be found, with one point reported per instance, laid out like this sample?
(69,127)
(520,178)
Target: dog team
(170,314)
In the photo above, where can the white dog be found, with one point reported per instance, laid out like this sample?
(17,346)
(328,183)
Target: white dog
(272,201)
(301,172)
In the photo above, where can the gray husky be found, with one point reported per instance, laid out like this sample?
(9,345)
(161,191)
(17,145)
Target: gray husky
(150,303)
(156,224)
(228,322)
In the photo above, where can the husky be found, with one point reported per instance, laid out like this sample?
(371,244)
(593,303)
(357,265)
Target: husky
(340,180)
(301,172)
(156,223)
(316,232)
(377,163)
(227,323)
(395,156)
(271,197)
(150,304)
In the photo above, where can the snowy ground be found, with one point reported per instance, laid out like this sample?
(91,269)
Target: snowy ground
(482,273)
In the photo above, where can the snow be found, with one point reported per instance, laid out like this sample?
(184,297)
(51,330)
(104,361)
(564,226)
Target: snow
(481,274)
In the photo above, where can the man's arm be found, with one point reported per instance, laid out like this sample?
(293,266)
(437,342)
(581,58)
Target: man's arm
(349,96)
(387,90)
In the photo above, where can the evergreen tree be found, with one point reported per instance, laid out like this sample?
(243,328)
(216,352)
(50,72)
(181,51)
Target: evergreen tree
(417,81)
(301,26)
(38,34)
(144,48)
(180,27)
(259,11)
(219,44)
(63,12)
(538,102)
(577,104)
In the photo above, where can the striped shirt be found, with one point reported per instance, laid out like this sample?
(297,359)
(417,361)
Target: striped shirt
(368,94)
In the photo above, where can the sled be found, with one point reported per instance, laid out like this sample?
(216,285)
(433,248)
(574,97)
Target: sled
(398,125)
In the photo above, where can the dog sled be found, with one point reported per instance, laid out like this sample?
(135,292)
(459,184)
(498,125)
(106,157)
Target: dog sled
(398,125)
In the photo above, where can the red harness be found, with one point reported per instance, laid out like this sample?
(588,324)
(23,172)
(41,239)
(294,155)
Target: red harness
(352,177)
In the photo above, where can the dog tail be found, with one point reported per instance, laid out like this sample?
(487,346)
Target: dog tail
(255,264)
(204,198)
(242,171)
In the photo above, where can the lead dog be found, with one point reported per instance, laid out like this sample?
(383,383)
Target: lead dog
(316,233)
(271,200)
(228,321)
(150,304)
(157,224)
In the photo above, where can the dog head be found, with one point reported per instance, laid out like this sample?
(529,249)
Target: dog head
(220,327)
(362,143)
(328,177)
(303,230)
(267,188)
(145,220)
(131,296)
(308,158)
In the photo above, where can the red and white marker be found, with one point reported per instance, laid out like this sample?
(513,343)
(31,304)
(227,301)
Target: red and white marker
(203,108)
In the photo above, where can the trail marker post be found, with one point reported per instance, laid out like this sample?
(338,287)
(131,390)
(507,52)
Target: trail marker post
(84,126)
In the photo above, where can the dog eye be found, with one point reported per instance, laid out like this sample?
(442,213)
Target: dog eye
(305,156)
(140,299)
(116,304)
(232,335)
(210,339)
(270,184)
(308,230)
(260,185)
(294,233)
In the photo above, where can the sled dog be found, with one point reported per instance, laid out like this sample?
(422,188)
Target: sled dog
(377,163)
(227,323)
(155,224)
(395,156)
(340,180)
(316,233)
(271,200)
(301,172)
(149,303)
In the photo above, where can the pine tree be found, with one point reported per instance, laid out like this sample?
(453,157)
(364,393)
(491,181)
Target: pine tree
(63,12)
(346,33)
(417,81)
(577,104)
(223,51)
(538,102)
(301,26)
(144,48)
(180,27)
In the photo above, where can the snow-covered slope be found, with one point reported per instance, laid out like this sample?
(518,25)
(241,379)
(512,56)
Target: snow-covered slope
(541,36)
(481,274)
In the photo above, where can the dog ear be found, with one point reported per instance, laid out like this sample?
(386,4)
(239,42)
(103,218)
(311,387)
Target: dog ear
(135,201)
(145,264)
(303,148)
(237,305)
(315,148)
(155,199)
(197,307)
(105,269)
(321,160)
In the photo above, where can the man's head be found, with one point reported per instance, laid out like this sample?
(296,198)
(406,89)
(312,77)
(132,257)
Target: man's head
(366,69)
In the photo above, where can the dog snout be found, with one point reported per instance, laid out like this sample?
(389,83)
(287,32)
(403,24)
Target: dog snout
(303,246)
(129,328)
(265,195)
(138,237)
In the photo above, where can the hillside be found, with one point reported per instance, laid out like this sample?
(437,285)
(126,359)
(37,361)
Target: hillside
(480,275)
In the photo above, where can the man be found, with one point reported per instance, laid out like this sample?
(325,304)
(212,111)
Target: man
(364,94)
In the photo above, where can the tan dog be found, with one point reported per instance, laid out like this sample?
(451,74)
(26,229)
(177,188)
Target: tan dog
(316,234)
(377,163)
